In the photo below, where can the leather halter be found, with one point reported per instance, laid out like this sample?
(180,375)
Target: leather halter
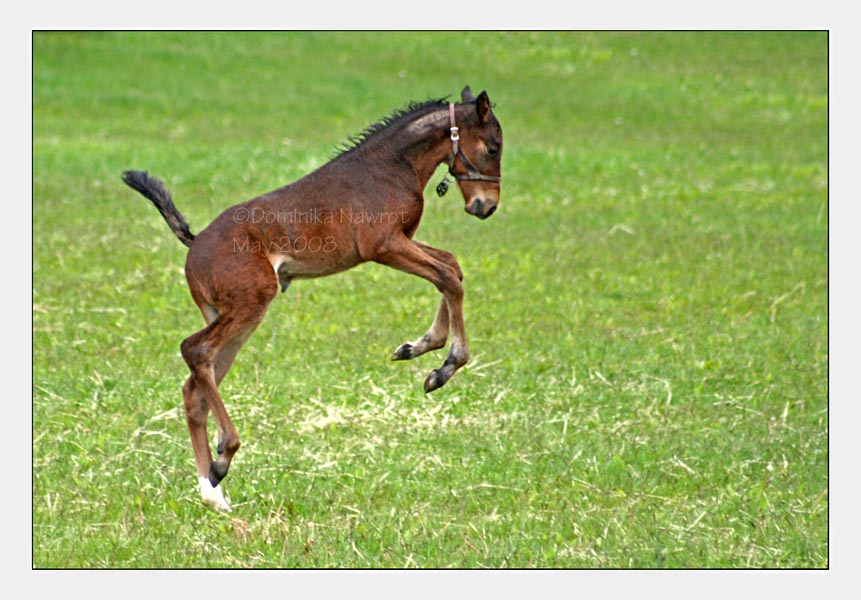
(472,173)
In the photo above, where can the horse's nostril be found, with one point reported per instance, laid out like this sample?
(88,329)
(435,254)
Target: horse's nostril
(491,211)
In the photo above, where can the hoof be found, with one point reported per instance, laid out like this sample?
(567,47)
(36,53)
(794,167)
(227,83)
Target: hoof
(435,380)
(217,471)
(404,352)
(213,497)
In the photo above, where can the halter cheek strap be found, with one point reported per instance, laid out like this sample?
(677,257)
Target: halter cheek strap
(472,173)
(455,134)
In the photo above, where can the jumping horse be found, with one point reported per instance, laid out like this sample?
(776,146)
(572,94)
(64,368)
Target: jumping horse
(363,205)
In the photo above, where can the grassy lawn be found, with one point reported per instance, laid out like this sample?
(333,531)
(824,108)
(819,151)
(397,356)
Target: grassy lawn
(647,311)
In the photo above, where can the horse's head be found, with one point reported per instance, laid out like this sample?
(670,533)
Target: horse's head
(476,160)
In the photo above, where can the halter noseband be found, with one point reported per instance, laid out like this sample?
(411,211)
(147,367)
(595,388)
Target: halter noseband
(472,173)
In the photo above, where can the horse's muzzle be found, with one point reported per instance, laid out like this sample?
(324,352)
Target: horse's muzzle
(481,208)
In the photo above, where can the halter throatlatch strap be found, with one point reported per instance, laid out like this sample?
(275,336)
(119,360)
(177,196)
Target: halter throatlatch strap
(472,174)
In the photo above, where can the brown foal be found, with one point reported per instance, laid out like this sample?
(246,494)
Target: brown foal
(364,205)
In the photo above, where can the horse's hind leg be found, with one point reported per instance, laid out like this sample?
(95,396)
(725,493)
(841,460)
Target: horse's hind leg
(209,354)
(197,412)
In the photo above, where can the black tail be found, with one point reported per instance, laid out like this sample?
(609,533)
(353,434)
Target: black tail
(153,189)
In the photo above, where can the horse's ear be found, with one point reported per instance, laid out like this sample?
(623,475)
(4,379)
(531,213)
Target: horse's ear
(466,95)
(482,107)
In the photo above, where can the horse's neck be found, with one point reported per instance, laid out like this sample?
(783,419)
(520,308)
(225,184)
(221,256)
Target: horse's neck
(423,143)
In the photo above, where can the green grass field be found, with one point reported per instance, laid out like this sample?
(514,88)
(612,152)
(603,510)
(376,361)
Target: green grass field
(647,311)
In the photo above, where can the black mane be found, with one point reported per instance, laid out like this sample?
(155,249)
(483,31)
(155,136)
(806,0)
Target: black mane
(411,110)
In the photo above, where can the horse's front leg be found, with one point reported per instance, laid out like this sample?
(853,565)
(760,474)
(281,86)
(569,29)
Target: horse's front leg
(441,269)
(435,338)
(437,335)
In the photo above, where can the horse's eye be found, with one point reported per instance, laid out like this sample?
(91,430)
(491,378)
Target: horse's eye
(492,150)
